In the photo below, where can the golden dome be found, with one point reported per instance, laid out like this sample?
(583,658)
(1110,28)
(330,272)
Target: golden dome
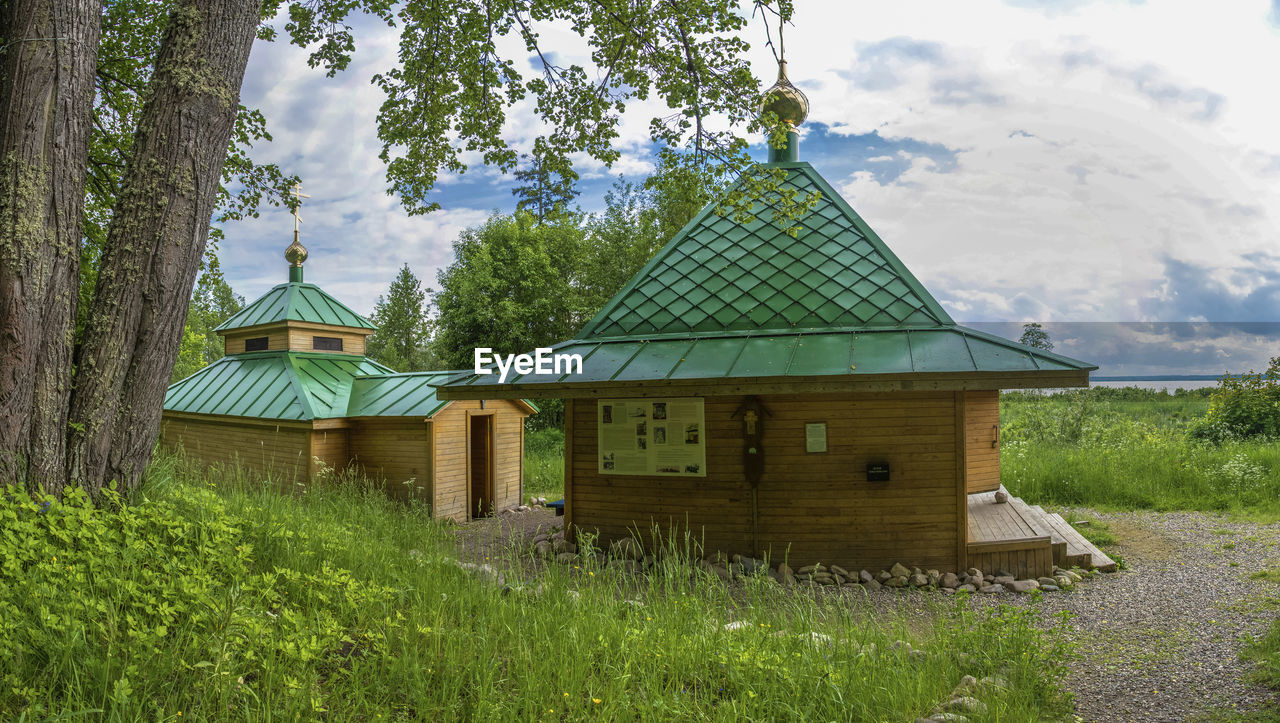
(791,105)
(296,253)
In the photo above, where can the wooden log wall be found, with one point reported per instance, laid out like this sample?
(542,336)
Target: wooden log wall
(267,450)
(812,507)
(982,448)
(451,459)
(395,451)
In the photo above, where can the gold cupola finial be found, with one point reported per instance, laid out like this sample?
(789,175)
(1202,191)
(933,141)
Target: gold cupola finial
(296,253)
(787,101)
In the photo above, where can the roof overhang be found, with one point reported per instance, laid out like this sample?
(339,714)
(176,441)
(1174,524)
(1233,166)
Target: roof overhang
(862,360)
(827,384)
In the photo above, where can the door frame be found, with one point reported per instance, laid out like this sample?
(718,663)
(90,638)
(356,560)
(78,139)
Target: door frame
(490,454)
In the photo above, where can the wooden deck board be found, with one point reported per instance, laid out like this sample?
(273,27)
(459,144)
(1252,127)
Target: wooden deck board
(990,522)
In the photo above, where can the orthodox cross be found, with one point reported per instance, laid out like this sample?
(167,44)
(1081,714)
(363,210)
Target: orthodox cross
(297,193)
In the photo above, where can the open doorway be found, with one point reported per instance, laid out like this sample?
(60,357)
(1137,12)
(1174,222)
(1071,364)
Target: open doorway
(480,458)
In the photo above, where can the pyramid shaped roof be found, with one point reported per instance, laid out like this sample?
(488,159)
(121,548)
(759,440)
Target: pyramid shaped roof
(296,301)
(730,299)
(720,275)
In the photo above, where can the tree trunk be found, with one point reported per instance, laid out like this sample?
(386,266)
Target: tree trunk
(156,239)
(47,66)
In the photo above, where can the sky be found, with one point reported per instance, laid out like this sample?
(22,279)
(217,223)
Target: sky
(1064,161)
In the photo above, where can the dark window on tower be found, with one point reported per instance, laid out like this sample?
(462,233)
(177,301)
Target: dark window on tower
(326,343)
(256,344)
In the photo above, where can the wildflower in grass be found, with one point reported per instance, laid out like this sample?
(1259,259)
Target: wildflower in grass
(596,701)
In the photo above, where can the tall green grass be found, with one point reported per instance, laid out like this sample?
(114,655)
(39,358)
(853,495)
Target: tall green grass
(1084,448)
(207,599)
(544,463)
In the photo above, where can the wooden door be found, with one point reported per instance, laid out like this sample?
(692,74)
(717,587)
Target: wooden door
(480,465)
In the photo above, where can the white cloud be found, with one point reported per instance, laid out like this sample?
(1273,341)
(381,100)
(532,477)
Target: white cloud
(1093,142)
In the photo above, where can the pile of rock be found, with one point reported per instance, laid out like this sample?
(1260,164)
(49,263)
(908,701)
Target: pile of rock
(553,546)
(534,503)
(965,700)
(627,554)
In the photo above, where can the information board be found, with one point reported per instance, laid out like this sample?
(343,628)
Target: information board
(652,437)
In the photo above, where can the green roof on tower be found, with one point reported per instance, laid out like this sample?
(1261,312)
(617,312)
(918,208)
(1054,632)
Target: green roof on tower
(296,301)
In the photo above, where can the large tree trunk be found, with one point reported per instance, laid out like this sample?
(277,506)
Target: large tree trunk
(47,65)
(156,239)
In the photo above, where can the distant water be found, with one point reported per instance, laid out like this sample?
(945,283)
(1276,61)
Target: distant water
(1169,385)
(1165,384)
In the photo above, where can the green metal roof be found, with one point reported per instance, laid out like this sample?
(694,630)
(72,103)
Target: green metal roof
(855,353)
(397,395)
(726,299)
(306,385)
(296,301)
(272,385)
(719,275)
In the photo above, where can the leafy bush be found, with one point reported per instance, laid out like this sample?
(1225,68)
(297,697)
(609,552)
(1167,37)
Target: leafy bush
(1243,407)
(212,600)
(122,608)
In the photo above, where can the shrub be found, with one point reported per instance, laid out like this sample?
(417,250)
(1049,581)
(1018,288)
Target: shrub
(223,600)
(1243,407)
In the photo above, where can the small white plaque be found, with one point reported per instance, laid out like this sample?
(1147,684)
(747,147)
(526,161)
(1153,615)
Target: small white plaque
(815,437)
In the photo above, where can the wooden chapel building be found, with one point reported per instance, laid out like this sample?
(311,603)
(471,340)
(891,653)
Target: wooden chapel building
(295,395)
(802,397)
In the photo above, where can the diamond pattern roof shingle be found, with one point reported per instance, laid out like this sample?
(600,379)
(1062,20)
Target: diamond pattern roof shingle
(719,275)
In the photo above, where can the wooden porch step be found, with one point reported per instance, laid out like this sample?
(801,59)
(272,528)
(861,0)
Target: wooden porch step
(1080,548)
(1037,522)
(991,523)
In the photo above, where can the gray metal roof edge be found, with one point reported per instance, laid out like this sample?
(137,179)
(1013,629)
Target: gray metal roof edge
(1034,351)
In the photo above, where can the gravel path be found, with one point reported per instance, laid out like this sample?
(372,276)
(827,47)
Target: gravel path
(1159,641)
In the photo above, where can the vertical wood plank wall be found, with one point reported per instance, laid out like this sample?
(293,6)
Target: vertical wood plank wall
(982,421)
(451,456)
(330,447)
(266,450)
(1022,559)
(813,507)
(395,449)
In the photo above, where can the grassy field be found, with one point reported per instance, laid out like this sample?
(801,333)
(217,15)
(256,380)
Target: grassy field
(218,598)
(1128,449)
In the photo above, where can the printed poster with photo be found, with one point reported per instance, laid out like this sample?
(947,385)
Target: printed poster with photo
(652,437)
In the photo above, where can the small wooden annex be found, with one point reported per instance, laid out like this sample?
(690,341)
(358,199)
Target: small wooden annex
(295,397)
(798,397)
